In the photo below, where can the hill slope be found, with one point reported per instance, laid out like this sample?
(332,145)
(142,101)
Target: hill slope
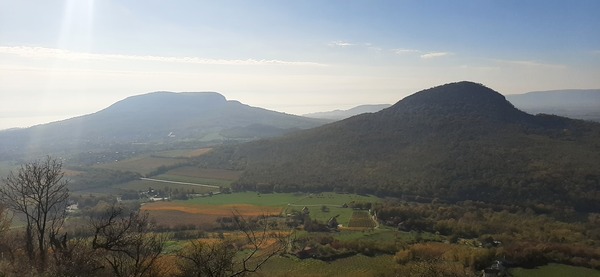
(580,104)
(159,117)
(455,142)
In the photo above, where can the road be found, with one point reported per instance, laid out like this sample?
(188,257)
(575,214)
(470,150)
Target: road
(180,183)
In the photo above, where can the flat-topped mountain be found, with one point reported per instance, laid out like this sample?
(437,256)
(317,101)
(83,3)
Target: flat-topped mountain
(460,141)
(158,117)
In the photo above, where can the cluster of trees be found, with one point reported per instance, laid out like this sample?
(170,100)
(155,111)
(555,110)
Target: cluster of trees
(324,246)
(521,235)
(442,259)
(89,177)
(114,240)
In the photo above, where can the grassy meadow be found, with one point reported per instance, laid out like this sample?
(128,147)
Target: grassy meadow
(253,204)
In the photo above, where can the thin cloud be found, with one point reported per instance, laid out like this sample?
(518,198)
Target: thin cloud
(400,51)
(341,43)
(53,53)
(525,63)
(434,55)
(366,45)
(372,47)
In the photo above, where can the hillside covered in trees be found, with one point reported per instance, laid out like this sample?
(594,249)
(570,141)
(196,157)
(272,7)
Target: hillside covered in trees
(459,141)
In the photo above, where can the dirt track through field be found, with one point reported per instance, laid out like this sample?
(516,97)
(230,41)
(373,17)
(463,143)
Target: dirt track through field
(179,183)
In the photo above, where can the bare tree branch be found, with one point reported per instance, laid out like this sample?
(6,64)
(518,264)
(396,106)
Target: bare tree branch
(38,192)
(130,247)
(221,258)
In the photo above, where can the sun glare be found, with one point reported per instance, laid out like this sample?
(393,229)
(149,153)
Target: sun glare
(77,25)
(76,33)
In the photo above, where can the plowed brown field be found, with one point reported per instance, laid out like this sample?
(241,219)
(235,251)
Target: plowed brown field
(174,213)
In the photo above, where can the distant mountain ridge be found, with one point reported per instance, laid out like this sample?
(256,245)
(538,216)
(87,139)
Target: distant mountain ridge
(572,103)
(343,114)
(459,141)
(158,117)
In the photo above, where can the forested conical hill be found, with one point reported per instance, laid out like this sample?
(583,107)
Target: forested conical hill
(455,142)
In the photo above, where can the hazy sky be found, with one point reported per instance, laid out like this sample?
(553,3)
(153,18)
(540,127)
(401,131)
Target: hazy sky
(60,59)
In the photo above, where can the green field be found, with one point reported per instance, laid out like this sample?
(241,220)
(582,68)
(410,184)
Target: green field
(334,202)
(361,219)
(555,270)
(289,201)
(315,213)
(283,199)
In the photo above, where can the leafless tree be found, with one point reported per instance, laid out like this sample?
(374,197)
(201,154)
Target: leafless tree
(74,257)
(220,259)
(39,193)
(5,220)
(211,259)
(128,244)
(6,249)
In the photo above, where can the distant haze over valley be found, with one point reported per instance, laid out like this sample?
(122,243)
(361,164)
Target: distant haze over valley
(572,103)
(341,114)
